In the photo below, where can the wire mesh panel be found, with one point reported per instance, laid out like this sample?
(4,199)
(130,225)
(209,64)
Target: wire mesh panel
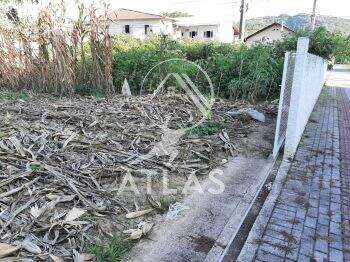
(284,103)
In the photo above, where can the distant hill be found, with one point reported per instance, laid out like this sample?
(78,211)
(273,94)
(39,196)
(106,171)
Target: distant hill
(299,21)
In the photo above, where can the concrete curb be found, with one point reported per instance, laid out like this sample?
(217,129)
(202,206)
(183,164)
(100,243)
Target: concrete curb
(223,243)
(251,245)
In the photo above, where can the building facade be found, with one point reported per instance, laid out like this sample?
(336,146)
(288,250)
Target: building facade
(269,34)
(196,28)
(141,24)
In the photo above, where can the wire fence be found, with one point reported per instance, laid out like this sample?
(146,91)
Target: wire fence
(286,91)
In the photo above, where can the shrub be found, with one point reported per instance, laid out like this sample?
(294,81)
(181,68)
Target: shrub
(133,61)
(195,50)
(248,73)
(236,71)
(324,43)
(87,61)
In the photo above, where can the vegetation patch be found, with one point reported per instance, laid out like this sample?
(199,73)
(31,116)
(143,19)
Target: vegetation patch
(92,62)
(114,250)
(8,95)
(206,129)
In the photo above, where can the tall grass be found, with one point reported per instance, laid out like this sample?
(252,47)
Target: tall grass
(237,72)
(50,54)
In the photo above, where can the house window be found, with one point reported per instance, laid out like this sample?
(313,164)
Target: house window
(127,29)
(193,34)
(208,34)
(147,29)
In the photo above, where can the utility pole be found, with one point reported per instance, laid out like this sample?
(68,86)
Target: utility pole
(242,21)
(313,16)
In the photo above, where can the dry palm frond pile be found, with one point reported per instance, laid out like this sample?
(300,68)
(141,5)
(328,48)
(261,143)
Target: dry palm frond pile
(63,160)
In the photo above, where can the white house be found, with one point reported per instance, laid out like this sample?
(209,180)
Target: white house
(139,24)
(269,34)
(204,29)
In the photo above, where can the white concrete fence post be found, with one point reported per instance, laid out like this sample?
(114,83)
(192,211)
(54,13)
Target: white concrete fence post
(299,79)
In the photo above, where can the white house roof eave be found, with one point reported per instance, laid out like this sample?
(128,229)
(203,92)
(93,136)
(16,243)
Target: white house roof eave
(197,21)
(196,24)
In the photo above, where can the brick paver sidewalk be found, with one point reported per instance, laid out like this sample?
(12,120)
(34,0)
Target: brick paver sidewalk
(310,220)
(344,128)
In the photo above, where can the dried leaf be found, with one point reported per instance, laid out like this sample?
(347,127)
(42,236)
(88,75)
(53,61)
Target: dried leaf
(35,211)
(56,259)
(87,257)
(3,146)
(145,227)
(74,214)
(31,247)
(6,250)
(77,257)
(69,139)
(134,234)
(52,196)
(93,123)
(82,257)
(154,202)
(108,135)
(139,213)
(17,144)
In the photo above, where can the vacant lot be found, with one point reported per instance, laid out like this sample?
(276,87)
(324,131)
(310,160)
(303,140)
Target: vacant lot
(62,162)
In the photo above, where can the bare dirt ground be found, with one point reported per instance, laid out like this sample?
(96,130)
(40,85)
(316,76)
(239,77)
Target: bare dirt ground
(62,162)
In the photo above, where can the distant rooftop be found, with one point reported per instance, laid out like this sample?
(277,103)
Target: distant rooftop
(127,14)
(269,26)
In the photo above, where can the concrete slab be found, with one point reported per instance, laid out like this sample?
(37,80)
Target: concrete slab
(206,228)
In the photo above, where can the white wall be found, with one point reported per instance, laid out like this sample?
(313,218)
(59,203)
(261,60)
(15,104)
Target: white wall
(269,35)
(226,32)
(309,78)
(137,27)
(222,32)
(200,29)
